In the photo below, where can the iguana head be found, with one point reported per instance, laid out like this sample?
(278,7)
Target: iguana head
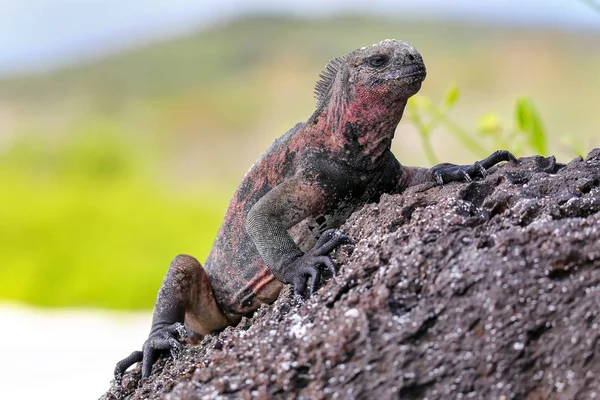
(391,68)
(361,97)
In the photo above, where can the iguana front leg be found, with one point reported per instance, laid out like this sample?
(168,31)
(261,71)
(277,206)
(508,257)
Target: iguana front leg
(184,296)
(446,172)
(268,222)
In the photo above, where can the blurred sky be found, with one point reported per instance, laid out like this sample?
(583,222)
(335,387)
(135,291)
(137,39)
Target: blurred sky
(41,34)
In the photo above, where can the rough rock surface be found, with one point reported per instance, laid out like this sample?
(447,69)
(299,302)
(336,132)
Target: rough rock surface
(481,290)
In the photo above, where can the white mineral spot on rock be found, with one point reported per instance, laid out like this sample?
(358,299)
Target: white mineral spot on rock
(352,313)
(518,346)
(298,330)
(573,339)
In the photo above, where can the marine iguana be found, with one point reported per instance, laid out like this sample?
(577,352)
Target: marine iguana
(281,223)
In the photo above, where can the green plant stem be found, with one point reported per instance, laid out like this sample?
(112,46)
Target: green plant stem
(424,133)
(436,119)
(428,149)
(592,4)
(463,136)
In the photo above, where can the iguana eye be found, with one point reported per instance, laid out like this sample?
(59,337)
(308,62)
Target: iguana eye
(378,60)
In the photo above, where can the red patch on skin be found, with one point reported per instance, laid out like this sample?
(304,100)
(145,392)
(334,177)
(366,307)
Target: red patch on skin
(261,280)
(373,112)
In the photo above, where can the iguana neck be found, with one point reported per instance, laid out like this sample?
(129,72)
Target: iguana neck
(361,124)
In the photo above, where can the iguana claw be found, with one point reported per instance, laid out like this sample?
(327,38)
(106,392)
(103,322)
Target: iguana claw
(307,266)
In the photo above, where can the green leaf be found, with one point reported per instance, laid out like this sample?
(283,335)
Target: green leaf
(489,124)
(528,121)
(451,96)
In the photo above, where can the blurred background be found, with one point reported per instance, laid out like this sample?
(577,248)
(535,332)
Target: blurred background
(125,127)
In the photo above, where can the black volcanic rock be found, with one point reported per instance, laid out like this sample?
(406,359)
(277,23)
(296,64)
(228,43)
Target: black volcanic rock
(488,289)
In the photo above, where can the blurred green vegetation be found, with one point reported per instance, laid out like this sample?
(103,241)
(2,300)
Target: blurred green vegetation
(527,136)
(83,224)
(111,168)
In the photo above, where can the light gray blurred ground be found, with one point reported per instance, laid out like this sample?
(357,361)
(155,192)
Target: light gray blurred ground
(64,354)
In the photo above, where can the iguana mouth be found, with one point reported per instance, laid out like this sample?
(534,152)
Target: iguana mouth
(409,71)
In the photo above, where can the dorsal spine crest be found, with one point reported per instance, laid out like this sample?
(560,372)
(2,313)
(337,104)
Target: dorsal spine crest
(326,80)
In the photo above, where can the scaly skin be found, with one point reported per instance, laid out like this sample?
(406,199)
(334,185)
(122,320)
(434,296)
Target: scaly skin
(280,225)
